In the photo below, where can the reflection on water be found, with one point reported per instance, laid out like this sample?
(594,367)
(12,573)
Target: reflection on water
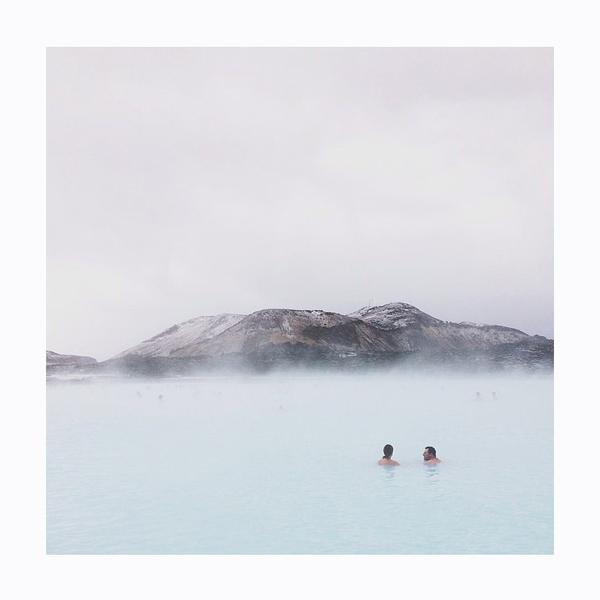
(434,483)
(389,471)
(431,470)
(219,466)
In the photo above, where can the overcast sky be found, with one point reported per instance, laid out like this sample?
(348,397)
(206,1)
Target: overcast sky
(187,182)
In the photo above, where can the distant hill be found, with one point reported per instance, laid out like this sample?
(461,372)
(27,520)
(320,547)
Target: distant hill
(395,333)
(66,362)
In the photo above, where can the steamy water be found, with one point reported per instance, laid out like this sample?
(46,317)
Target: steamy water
(288,464)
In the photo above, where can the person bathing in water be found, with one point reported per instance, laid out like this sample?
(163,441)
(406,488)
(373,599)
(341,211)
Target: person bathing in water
(430,456)
(386,459)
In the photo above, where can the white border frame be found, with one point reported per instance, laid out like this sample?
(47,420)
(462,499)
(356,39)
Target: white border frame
(29,27)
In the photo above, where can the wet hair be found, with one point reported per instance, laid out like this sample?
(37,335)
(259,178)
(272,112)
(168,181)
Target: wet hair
(431,450)
(388,450)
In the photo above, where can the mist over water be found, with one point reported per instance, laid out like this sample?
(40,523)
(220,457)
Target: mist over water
(287,463)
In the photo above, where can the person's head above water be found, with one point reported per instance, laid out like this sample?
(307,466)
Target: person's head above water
(387,459)
(430,454)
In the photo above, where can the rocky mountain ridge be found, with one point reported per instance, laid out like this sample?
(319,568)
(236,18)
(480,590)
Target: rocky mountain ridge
(392,334)
(395,333)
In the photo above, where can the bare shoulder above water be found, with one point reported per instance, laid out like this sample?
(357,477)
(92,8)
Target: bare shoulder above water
(387,459)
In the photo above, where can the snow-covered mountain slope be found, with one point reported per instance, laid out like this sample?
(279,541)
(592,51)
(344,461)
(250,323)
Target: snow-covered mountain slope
(395,315)
(183,334)
(416,330)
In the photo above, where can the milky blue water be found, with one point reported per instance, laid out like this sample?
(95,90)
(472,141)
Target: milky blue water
(288,464)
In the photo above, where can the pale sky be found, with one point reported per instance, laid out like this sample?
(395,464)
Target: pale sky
(187,182)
